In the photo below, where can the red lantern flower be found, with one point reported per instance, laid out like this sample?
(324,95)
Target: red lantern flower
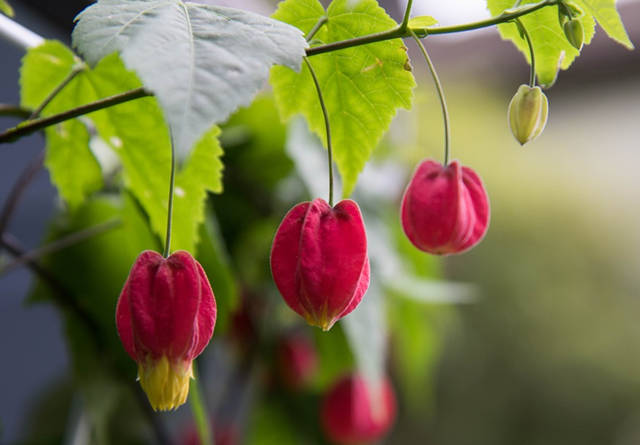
(356,412)
(445,210)
(319,260)
(165,317)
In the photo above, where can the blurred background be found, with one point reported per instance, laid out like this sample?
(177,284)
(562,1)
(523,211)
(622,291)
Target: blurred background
(547,350)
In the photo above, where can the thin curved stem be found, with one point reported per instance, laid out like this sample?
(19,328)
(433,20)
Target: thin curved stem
(77,69)
(443,102)
(532,73)
(172,183)
(325,114)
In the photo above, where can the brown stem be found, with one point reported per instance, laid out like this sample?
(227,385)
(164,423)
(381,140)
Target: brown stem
(32,126)
(14,110)
(17,191)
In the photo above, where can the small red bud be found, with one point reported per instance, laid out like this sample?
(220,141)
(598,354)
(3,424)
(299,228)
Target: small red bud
(297,360)
(165,317)
(319,260)
(356,412)
(445,210)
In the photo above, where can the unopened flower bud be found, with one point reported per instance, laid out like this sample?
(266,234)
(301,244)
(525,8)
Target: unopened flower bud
(574,32)
(528,112)
(165,317)
(319,260)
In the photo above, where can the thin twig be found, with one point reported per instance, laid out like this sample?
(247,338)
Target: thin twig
(77,69)
(14,110)
(61,244)
(38,124)
(18,189)
(398,32)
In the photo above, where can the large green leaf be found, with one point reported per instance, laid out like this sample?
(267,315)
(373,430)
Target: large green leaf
(201,173)
(135,131)
(73,168)
(604,11)
(362,87)
(138,134)
(200,61)
(551,48)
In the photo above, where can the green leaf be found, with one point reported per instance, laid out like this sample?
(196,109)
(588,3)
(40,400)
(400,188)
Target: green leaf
(94,270)
(135,131)
(604,11)
(423,21)
(362,87)
(201,173)
(6,8)
(551,48)
(73,168)
(202,62)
